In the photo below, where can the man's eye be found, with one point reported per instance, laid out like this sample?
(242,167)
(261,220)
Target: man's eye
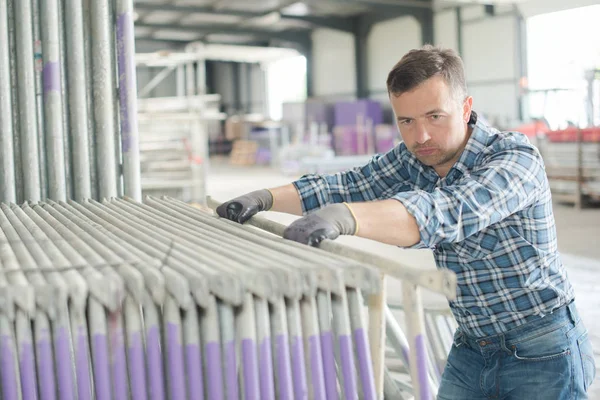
(405,122)
(435,117)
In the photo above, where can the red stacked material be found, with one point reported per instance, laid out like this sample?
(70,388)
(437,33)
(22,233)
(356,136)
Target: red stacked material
(591,135)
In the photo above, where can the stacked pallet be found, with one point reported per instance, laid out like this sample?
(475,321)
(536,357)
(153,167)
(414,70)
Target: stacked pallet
(572,158)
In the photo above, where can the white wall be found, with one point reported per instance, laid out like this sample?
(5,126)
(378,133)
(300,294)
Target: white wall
(445,29)
(491,57)
(386,44)
(334,63)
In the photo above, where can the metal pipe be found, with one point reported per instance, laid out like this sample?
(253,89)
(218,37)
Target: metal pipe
(103,94)
(77,78)
(127,93)
(53,107)
(28,118)
(7,161)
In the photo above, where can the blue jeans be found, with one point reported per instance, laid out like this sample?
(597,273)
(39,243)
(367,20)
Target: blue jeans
(549,358)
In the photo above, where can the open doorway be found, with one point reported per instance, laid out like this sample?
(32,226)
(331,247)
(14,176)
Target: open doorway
(561,47)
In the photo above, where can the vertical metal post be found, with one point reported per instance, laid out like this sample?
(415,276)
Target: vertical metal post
(52,94)
(376,305)
(226,320)
(127,94)
(365,366)
(77,78)
(7,161)
(324,312)
(27,106)
(281,350)
(103,93)
(413,308)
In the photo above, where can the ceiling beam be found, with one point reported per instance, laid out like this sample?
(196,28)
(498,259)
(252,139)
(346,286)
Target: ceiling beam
(288,35)
(337,23)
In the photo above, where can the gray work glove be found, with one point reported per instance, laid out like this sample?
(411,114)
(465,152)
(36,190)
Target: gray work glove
(242,208)
(326,223)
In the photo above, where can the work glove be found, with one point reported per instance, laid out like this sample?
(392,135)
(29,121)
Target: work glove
(326,223)
(242,208)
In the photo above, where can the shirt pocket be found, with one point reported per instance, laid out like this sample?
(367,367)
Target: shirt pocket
(478,246)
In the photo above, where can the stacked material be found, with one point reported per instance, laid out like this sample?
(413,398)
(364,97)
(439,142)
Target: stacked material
(572,158)
(123,300)
(68,126)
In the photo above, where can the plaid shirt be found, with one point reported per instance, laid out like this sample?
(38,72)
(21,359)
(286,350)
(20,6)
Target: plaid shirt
(489,220)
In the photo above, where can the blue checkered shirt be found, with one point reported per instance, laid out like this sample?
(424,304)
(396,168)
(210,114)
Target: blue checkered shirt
(489,220)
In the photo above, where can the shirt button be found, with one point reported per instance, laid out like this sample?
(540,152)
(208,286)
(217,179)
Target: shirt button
(482,343)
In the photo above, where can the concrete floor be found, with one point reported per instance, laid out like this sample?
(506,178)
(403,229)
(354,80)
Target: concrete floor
(578,236)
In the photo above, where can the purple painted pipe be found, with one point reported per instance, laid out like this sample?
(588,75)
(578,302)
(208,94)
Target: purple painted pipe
(46,370)
(66,387)
(101,367)
(51,77)
(267,390)
(193,361)
(8,372)
(422,367)
(155,364)
(231,381)
(316,366)
(365,365)
(136,368)
(175,363)
(329,366)
(284,370)
(250,363)
(299,369)
(214,370)
(82,363)
(126,75)
(348,368)
(118,361)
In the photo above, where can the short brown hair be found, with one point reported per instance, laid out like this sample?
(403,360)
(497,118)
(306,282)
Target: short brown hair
(418,65)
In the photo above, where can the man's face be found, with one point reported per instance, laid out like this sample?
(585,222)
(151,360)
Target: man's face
(433,123)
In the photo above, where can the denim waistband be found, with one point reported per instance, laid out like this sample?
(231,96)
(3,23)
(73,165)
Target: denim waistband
(558,317)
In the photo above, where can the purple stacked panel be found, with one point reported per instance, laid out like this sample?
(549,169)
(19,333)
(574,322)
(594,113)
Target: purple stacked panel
(365,366)
(175,363)
(118,361)
(231,380)
(329,366)
(316,366)
(195,379)
(348,368)
(346,113)
(214,370)
(62,346)
(319,112)
(9,375)
(299,369)
(82,363)
(46,369)
(284,370)
(101,367)
(137,368)
(421,353)
(265,360)
(249,364)
(155,366)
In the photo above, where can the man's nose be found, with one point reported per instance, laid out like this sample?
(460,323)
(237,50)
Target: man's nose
(422,135)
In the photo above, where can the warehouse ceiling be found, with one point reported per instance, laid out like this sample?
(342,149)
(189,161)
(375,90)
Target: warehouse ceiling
(256,22)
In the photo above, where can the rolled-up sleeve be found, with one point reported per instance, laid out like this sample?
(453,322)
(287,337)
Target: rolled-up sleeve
(365,183)
(507,181)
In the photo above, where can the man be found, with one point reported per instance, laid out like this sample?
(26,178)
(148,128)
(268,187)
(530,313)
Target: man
(480,199)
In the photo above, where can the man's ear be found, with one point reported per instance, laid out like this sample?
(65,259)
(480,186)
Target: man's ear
(467,109)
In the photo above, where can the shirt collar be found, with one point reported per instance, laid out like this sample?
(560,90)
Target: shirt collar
(475,145)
